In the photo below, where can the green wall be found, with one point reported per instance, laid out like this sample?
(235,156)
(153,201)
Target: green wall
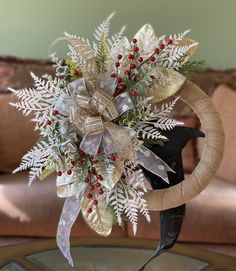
(27,27)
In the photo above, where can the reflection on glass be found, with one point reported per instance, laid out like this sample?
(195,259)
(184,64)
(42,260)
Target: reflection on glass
(114,259)
(12,267)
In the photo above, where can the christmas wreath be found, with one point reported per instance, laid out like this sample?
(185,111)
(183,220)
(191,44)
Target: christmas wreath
(107,129)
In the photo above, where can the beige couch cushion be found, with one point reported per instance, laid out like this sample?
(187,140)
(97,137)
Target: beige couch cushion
(35,211)
(224,99)
(17,134)
(210,217)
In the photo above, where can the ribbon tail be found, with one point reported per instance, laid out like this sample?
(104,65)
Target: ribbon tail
(150,161)
(171,222)
(69,214)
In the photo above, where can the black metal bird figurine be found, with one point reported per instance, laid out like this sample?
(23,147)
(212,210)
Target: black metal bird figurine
(170,219)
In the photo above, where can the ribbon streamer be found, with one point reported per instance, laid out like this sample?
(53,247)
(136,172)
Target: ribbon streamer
(69,214)
(153,163)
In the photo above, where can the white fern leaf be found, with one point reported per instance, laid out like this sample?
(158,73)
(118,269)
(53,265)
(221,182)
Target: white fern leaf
(178,37)
(117,200)
(35,160)
(166,123)
(103,28)
(165,109)
(116,38)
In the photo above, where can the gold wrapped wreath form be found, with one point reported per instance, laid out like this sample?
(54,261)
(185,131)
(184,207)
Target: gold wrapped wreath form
(212,153)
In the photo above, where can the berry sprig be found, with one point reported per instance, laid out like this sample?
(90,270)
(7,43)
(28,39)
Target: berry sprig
(79,162)
(94,182)
(136,62)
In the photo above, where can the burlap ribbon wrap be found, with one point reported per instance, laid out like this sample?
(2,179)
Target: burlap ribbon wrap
(212,154)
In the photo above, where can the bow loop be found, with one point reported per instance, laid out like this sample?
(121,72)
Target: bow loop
(93,112)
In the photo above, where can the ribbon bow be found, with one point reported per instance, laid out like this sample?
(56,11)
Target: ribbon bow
(93,112)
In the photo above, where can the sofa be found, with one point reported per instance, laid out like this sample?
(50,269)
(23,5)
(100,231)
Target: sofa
(27,213)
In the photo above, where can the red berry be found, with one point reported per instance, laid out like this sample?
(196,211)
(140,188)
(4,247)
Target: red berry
(55,112)
(100,191)
(170,41)
(119,79)
(87,180)
(152,58)
(117,64)
(131,56)
(95,202)
(136,49)
(132,66)
(91,187)
(80,162)
(152,77)
(127,72)
(99,177)
(81,153)
(162,46)
(89,210)
(59,173)
(140,59)
(92,171)
(113,75)
(119,56)
(97,184)
(100,149)
(156,50)
(48,122)
(112,157)
(121,87)
(134,93)
(115,94)
(69,171)
(95,161)
(134,40)
(89,196)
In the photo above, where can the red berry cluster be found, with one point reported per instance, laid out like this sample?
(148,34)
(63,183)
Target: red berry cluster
(93,180)
(55,113)
(79,162)
(136,61)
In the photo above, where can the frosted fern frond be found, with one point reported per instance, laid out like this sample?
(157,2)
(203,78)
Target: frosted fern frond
(116,200)
(126,197)
(149,128)
(148,131)
(166,123)
(178,37)
(131,212)
(135,177)
(35,160)
(177,57)
(40,99)
(72,36)
(165,109)
(134,203)
(116,38)
(103,28)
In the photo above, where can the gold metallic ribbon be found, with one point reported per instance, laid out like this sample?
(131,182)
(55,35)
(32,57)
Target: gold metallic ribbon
(93,112)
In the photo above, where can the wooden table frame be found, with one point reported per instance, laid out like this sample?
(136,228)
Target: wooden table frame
(18,253)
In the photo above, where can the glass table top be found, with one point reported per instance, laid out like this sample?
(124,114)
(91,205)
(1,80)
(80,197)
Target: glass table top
(113,259)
